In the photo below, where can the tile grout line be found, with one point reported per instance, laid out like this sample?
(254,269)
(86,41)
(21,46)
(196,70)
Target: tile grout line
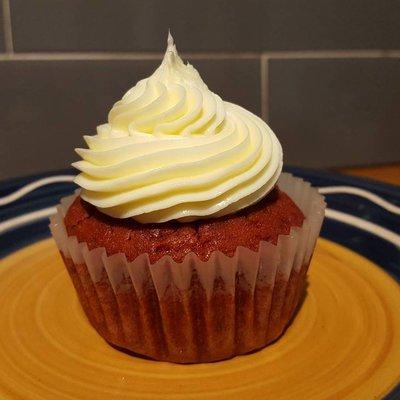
(8,36)
(315,54)
(264,88)
(79,56)
(43,56)
(309,54)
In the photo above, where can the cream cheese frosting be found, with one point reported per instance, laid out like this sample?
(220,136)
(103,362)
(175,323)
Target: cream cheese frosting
(173,149)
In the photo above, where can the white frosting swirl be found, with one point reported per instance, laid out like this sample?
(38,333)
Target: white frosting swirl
(172,149)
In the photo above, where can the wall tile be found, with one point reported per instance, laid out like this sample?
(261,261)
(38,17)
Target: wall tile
(327,25)
(48,105)
(132,25)
(2,44)
(209,25)
(235,80)
(336,112)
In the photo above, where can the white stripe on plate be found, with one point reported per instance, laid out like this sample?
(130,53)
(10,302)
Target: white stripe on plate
(375,229)
(362,193)
(364,225)
(24,219)
(323,190)
(367,226)
(34,185)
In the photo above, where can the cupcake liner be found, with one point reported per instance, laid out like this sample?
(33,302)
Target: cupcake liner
(195,310)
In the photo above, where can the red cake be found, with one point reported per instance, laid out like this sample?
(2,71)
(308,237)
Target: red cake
(186,326)
(274,215)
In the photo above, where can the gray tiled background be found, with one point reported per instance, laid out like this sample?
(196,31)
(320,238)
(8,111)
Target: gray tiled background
(324,74)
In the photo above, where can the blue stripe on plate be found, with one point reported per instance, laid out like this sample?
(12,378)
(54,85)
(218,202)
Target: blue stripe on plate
(40,198)
(49,195)
(377,250)
(363,208)
(390,193)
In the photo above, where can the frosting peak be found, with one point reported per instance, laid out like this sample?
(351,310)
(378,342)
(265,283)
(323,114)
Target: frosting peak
(174,100)
(173,149)
(174,69)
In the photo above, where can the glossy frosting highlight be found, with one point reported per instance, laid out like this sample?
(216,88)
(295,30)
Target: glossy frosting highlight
(172,149)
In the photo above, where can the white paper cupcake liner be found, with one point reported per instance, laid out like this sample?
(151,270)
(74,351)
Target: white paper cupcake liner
(246,271)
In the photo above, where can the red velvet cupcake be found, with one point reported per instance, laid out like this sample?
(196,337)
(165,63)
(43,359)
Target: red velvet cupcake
(185,242)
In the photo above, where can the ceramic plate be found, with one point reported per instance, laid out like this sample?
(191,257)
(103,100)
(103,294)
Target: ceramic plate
(344,342)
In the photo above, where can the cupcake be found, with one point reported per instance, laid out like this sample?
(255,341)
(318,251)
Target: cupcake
(185,242)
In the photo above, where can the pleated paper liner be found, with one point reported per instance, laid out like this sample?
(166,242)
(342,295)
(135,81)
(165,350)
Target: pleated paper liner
(195,311)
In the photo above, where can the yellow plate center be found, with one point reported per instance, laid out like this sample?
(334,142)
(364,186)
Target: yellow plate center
(343,344)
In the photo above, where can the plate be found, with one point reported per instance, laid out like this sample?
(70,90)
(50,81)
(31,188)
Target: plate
(344,342)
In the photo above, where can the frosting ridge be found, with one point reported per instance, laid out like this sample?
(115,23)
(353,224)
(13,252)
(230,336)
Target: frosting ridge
(173,149)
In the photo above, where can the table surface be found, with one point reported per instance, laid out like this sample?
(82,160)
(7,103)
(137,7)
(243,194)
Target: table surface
(385,173)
